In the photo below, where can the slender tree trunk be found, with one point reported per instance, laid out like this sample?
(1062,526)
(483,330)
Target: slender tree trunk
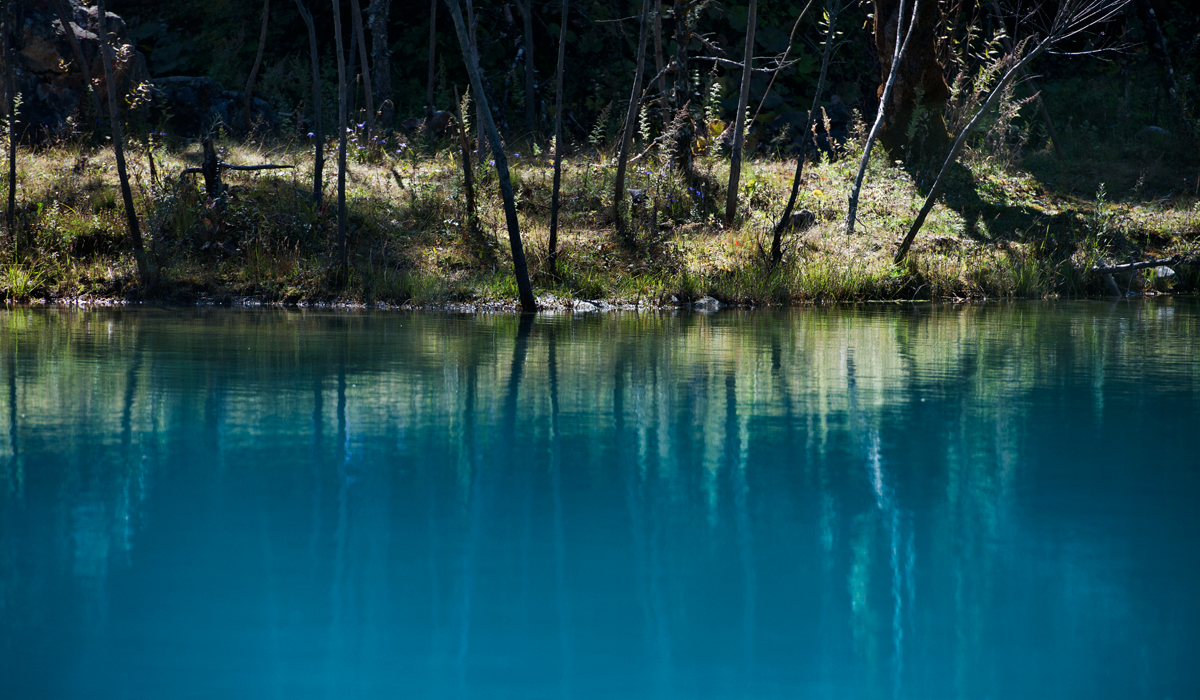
(262,45)
(630,117)
(739,124)
(471,58)
(952,158)
(481,143)
(343,256)
(10,112)
(901,46)
(472,227)
(658,54)
(552,256)
(429,109)
(833,8)
(106,56)
(368,94)
(64,16)
(526,8)
(318,133)
(381,63)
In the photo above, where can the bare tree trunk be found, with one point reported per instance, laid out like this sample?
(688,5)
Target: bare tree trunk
(472,227)
(901,46)
(739,124)
(526,8)
(381,64)
(552,257)
(481,143)
(318,133)
(10,112)
(106,56)
(64,16)
(432,56)
(952,158)
(630,117)
(343,256)
(471,58)
(833,8)
(356,18)
(681,149)
(658,54)
(262,45)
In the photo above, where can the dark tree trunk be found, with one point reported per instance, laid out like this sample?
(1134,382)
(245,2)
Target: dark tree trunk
(356,18)
(739,123)
(531,125)
(471,58)
(106,56)
(630,118)
(658,53)
(64,16)
(481,143)
(262,45)
(318,133)
(681,149)
(381,60)
(10,101)
(343,256)
(429,109)
(919,72)
(832,8)
(552,257)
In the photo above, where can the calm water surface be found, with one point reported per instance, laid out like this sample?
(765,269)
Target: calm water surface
(882,502)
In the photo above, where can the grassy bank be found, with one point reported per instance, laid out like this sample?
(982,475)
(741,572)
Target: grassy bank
(1000,232)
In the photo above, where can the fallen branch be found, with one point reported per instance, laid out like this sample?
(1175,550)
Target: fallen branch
(227,166)
(1143,264)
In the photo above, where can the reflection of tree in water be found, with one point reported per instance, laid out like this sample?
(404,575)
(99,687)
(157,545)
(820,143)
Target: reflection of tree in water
(452,470)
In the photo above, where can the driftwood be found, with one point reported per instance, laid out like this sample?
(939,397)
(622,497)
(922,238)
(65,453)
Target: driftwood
(211,170)
(1143,264)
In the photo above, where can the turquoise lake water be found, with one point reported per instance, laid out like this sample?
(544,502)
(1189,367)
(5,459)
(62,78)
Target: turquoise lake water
(995,501)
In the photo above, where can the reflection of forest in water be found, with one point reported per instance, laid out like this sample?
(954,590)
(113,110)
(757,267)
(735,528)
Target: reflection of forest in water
(921,499)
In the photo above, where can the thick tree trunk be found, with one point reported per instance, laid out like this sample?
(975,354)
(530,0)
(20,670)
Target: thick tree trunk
(552,256)
(833,8)
(471,58)
(381,61)
(526,8)
(901,47)
(106,57)
(630,118)
(739,124)
(919,72)
(429,109)
(343,255)
(262,45)
(369,96)
(681,149)
(64,16)
(318,132)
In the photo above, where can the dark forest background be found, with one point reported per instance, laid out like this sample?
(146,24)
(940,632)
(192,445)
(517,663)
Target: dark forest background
(1093,100)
